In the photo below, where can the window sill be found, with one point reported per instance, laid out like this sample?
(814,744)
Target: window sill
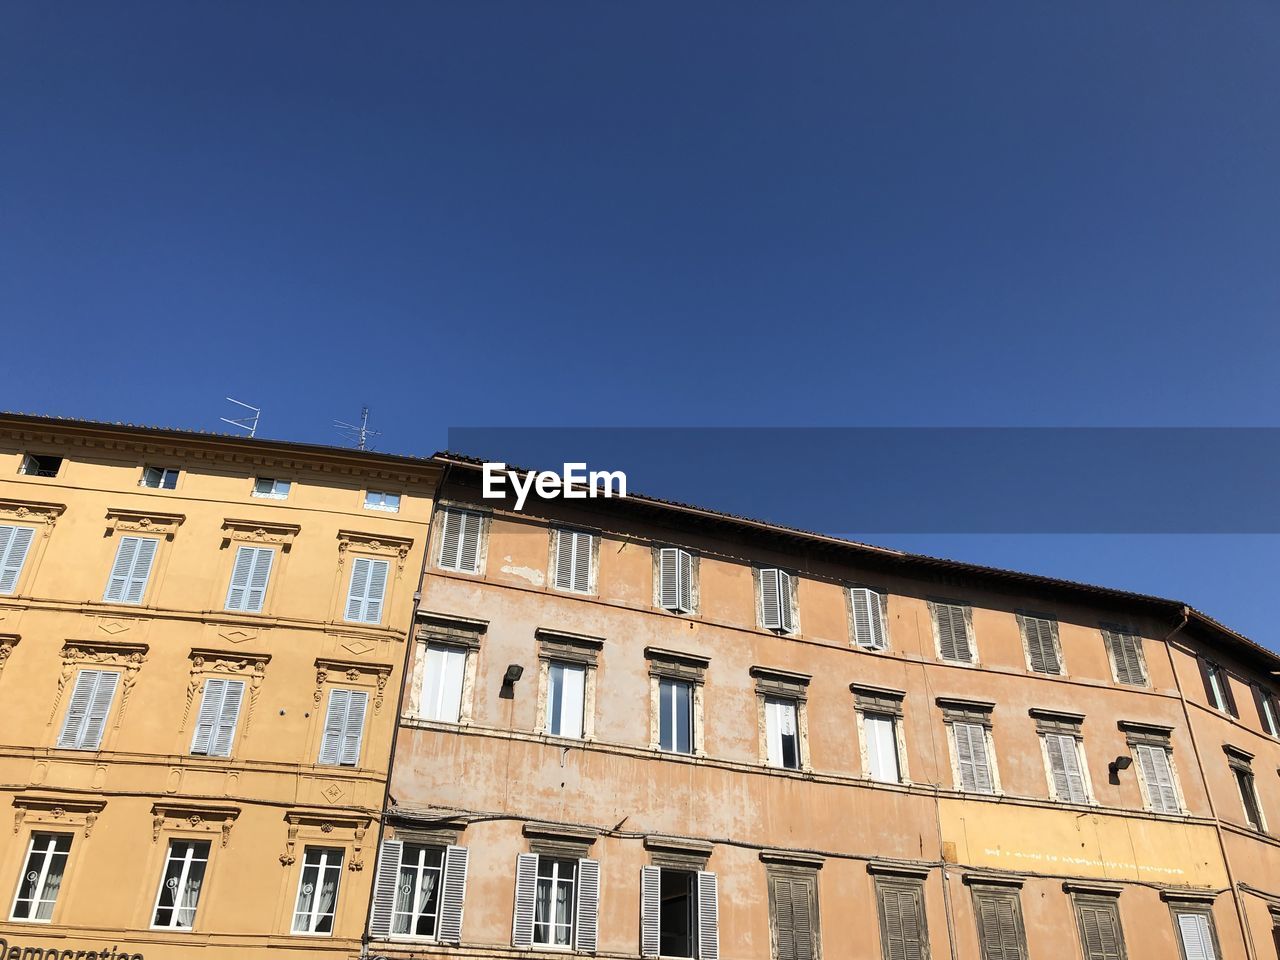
(378,509)
(271,496)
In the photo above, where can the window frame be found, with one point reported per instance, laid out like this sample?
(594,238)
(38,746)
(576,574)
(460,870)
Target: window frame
(1098,901)
(422,678)
(971,715)
(187,862)
(549,720)
(40,473)
(687,688)
(901,884)
(1025,619)
(129,575)
(164,474)
(936,605)
(465,516)
(274,493)
(593,561)
(1113,632)
(671,665)
(365,599)
(776,873)
(992,892)
(273,555)
(1165,748)
(687,564)
(552,882)
(383,506)
(321,867)
(29,543)
(419,871)
(876,600)
(1177,908)
(55,836)
(899,759)
(788,589)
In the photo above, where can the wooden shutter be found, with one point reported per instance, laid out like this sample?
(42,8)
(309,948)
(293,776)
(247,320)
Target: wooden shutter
(385,882)
(451,540)
(1157,773)
(901,922)
(77,709)
(793,918)
(14,543)
(1000,932)
(249,576)
(1267,715)
(1042,644)
(526,895)
(1064,767)
(1224,699)
(1126,652)
(953,632)
(708,916)
(971,757)
(1099,930)
(686,580)
(335,720)
(453,894)
(573,560)
(586,918)
(650,911)
(669,578)
(225,730)
(353,727)
(1197,938)
(95,721)
(868,620)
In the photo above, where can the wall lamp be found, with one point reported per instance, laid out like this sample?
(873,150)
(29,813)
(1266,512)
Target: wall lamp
(514,673)
(1118,764)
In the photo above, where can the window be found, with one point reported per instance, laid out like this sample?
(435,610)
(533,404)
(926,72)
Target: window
(903,935)
(381,500)
(566,683)
(1100,935)
(271,489)
(1124,648)
(998,912)
(343,728)
(41,877)
(868,618)
(880,736)
(130,570)
(777,600)
(1217,688)
(367,590)
(952,630)
(675,716)
(972,753)
(460,541)
(793,908)
(87,712)
(782,733)
(1248,795)
(573,561)
(179,893)
(40,465)
(679,913)
(249,576)
(1196,934)
(418,893)
(318,891)
(159,478)
(557,902)
(1064,761)
(1268,709)
(675,580)
(14,544)
(1040,641)
(1155,767)
(216,722)
(442,675)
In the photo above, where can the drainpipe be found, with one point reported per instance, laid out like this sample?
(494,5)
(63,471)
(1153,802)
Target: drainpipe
(1243,918)
(395,730)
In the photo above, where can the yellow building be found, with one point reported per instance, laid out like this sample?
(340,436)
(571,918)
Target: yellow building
(201,647)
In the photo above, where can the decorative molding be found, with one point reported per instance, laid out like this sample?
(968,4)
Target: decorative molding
(955,710)
(7,642)
(1189,897)
(248,666)
(144,521)
(1055,721)
(878,699)
(905,871)
(1093,889)
(561,832)
(260,531)
(75,811)
(993,880)
(792,858)
(782,683)
(1145,733)
(572,647)
(351,671)
(127,657)
(323,824)
(673,663)
(193,815)
(380,545)
(443,627)
(32,511)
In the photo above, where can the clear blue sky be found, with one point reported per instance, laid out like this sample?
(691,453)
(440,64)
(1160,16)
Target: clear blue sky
(658,213)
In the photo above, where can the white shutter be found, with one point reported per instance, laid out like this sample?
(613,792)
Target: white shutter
(207,718)
(14,543)
(249,577)
(366,591)
(669,578)
(650,911)
(78,709)
(140,571)
(773,732)
(377,591)
(708,917)
(573,561)
(353,727)
(686,582)
(453,894)
(564,560)
(335,720)
(469,553)
(451,539)
(582,562)
(130,570)
(971,757)
(526,894)
(868,619)
(1197,939)
(358,588)
(1158,776)
(771,599)
(587,915)
(384,890)
(441,695)
(1042,648)
(225,732)
(882,748)
(1064,767)
(99,706)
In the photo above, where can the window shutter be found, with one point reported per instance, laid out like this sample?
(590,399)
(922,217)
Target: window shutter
(586,919)
(953,632)
(770,599)
(232,696)
(453,893)
(650,911)
(335,719)
(526,894)
(669,578)
(802,919)
(78,708)
(353,728)
(1158,774)
(1224,679)
(14,543)
(1126,652)
(868,622)
(708,917)
(971,756)
(140,571)
(258,578)
(686,580)
(129,572)
(1100,931)
(99,706)
(451,541)
(207,718)
(239,585)
(469,551)
(1055,749)
(901,922)
(384,891)
(368,585)
(564,560)
(1266,705)
(1042,647)
(998,927)
(582,562)
(377,590)
(784,921)
(1197,939)
(358,589)
(249,579)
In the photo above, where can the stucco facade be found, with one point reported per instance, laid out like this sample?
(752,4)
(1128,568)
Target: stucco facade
(875,832)
(196,593)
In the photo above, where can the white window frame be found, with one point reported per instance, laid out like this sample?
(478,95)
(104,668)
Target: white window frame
(422,680)
(313,915)
(29,459)
(419,871)
(164,473)
(774,732)
(555,880)
(370,503)
(275,493)
(899,744)
(187,860)
(42,877)
(550,720)
(675,713)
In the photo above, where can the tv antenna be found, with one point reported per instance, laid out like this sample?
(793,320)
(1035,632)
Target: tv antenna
(358,434)
(249,423)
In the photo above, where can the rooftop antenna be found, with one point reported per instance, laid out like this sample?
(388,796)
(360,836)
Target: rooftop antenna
(359,435)
(245,422)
